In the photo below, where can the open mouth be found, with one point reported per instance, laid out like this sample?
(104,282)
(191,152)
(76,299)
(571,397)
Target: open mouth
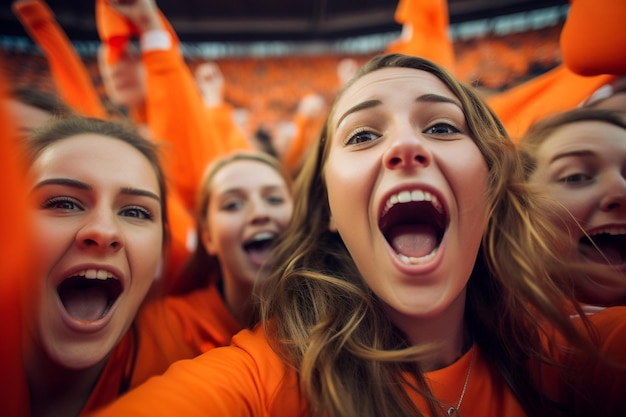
(259,247)
(607,247)
(89,295)
(413,222)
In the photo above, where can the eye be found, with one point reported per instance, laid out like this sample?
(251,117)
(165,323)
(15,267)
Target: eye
(137,213)
(232,205)
(577,178)
(62,204)
(276,199)
(361,136)
(442,129)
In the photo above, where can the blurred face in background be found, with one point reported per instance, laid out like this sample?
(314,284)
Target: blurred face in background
(124,80)
(583,166)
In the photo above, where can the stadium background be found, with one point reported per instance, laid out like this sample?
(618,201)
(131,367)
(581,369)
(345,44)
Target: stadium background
(273,53)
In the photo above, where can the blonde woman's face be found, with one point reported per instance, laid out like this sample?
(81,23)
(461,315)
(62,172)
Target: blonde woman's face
(98,242)
(407,191)
(583,165)
(249,205)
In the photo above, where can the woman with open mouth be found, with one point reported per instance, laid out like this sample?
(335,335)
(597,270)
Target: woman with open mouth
(418,277)
(99,232)
(579,158)
(244,204)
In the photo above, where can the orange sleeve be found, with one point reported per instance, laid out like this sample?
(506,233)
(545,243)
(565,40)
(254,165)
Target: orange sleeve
(593,39)
(176,114)
(243,380)
(68,70)
(555,91)
(221,120)
(182,228)
(13,265)
(306,131)
(429,39)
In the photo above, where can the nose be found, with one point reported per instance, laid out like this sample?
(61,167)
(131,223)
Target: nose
(614,198)
(100,232)
(408,150)
(259,211)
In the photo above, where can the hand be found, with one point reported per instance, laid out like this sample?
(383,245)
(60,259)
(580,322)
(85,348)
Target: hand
(142,13)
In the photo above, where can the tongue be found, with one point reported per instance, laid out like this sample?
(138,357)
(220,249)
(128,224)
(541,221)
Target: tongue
(85,304)
(608,254)
(258,256)
(415,240)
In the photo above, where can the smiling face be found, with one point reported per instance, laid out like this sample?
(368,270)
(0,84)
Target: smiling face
(583,165)
(98,241)
(250,204)
(407,191)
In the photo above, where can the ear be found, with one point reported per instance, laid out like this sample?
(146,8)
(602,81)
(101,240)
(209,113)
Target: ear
(331,224)
(205,239)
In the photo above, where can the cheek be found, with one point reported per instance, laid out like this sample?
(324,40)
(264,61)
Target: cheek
(579,204)
(346,183)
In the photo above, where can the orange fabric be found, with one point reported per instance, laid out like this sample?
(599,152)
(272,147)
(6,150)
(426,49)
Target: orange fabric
(249,379)
(429,37)
(68,70)
(166,331)
(555,91)
(13,260)
(177,114)
(593,39)
(307,131)
(181,225)
(115,30)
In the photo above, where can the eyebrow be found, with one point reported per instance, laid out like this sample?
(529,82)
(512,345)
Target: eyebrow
(67,182)
(426,98)
(582,153)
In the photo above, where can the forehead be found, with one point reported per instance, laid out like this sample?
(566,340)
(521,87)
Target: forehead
(391,83)
(248,174)
(96,158)
(590,134)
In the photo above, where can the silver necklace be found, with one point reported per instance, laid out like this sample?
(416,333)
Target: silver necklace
(455,410)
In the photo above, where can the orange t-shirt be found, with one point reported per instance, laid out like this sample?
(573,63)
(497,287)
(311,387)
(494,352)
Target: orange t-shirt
(165,330)
(249,379)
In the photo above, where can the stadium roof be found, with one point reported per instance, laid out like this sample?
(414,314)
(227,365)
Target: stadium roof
(256,20)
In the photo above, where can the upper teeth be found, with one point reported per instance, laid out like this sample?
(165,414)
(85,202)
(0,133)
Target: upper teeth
(262,236)
(95,274)
(415,195)
(609,230)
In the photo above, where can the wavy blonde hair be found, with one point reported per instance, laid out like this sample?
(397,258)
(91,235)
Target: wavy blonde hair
(325,322)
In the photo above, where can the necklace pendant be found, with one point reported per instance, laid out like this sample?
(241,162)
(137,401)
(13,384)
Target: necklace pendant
(452,411)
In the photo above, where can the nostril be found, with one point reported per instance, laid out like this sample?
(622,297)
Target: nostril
(420,159)
(395,161)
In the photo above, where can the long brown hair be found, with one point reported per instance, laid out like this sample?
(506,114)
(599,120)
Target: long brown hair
(326,323)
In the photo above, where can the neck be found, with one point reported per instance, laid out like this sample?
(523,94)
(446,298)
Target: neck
(55,390)
(237,298)
(446,332)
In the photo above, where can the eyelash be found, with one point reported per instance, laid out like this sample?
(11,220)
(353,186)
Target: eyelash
(352,138)
(147,214)
(54,202)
